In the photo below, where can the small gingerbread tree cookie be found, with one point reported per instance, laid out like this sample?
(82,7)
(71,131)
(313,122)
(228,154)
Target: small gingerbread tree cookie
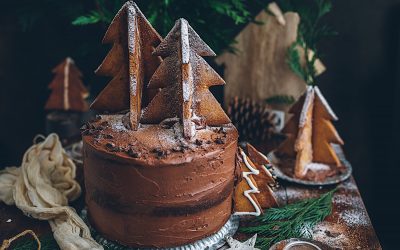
(130,62)
(67,90)
(265,180)
(184,78)
(310,135)
(254,191)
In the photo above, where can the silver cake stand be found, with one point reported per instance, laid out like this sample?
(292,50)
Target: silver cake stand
(212,242)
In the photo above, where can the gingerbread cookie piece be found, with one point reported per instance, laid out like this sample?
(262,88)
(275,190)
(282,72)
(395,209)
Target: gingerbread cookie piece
(130,62)
(310,135)
(68,92)
(185,77)
(265,180)
(245,200)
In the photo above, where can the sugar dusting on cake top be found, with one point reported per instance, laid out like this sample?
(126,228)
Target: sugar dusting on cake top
(160,142)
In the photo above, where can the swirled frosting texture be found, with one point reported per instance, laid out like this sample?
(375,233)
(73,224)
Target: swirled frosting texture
(151,187)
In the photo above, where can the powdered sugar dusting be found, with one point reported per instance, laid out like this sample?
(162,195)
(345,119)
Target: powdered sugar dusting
(185,49)
(354,217)
(296,194)
(187,83)
(116,122)
(132,32)
(187,80)
(349,185)
(119,127)
(331,234)
(307,105)
(354,213)
(325,103)
(348,200)
(315,167)
(168,137)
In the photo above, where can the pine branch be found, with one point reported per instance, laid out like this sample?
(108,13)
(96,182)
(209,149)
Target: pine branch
(296,220)
(280,99)
(224,15)
(293,59)
(311,31)
(92,18)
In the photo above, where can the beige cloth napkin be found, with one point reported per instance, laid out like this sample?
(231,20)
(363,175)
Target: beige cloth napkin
(42,187)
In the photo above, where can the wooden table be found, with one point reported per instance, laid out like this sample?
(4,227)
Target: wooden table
(348,227)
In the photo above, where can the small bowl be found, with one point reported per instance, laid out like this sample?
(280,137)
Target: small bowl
(300,244)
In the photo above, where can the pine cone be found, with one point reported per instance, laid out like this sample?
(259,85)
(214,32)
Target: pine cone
(253,120)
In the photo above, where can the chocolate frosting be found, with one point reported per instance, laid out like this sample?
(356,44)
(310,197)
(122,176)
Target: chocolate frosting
(152,187)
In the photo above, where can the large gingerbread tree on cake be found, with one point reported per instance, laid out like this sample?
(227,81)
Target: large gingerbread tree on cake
(130,62)
(184,78)
(310,133)
(67,90)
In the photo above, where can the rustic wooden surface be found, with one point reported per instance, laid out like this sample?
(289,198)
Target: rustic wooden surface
(348,227)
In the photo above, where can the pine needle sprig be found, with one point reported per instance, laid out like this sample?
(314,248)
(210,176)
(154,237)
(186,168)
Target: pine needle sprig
(295,220)
(280,99)
(294,61)
(225,15)
(311,31)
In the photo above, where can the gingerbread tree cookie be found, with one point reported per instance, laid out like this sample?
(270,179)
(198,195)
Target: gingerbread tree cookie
(245,199)
(311,134)
(253,192)
(264,180)
(130,62)
(184,78)
(68,92)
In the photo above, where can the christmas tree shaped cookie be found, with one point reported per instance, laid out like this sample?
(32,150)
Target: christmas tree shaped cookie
(130,62)
(67,90)
(310,135)
(265,180)
(253,192)
(184,78)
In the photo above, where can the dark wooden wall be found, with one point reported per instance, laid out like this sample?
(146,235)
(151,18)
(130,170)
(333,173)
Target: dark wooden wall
(362,84)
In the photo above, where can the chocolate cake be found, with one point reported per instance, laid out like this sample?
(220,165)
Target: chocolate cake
(152,187)
(160,166)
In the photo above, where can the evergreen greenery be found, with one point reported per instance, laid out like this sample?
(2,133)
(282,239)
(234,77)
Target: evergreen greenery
(216,21)
(311,31)
(295,220)
(213,19)
(280,99)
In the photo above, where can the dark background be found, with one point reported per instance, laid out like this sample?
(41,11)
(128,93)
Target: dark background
(362,85)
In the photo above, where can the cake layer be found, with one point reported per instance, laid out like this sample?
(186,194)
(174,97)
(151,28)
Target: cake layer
(159,231)
(153,188)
